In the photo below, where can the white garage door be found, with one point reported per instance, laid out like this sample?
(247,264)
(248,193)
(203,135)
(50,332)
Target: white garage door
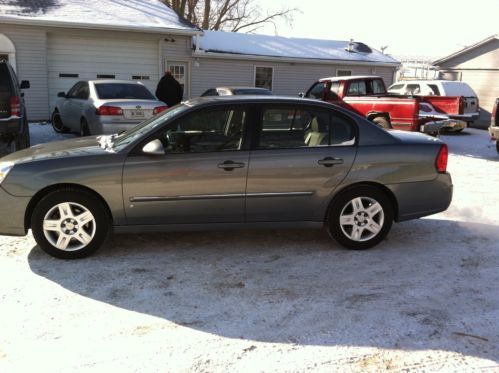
(75,58)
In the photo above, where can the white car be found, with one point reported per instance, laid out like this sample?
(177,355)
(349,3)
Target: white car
(441,88)
(95,107)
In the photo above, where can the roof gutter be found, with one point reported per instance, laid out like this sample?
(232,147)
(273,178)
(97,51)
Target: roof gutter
(246,57)
(96,26)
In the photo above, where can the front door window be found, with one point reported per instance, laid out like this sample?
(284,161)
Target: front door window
(179,72)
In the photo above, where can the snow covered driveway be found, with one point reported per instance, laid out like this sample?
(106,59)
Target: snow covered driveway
(425,299)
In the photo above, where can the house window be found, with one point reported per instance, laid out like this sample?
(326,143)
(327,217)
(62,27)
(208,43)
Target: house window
(106,76)
(140,77)
(264,77)
(343,72)
(68,75)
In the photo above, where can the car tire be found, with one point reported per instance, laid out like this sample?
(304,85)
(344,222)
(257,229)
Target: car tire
(70,223)
(497,146)
(382,122)
(84,130)
(22,140)
(57,124)
(360,218)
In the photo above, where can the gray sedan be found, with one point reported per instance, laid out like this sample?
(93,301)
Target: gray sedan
(226,163)
(96,107)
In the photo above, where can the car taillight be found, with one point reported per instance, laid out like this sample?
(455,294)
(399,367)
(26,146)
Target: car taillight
(159,109)
(442,158)
(109,110)
(15,106)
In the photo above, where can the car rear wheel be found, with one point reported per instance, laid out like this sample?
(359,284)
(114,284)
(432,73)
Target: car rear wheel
(84,130)
(360,218)
(57,124)
(70,224)
(497,146)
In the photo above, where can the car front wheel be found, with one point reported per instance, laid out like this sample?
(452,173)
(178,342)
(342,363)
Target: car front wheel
(57,124)
(70,224)
(360,218)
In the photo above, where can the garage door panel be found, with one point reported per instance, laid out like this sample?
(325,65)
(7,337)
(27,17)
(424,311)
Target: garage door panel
(89,57)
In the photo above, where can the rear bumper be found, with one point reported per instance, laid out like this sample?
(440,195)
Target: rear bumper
(447,124)
(419,199)
(10,126)
(494,132)
(467,117)
(108,127)
(12,214)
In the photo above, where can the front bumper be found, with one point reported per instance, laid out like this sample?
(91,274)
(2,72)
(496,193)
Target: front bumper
(12,212)
(447,124)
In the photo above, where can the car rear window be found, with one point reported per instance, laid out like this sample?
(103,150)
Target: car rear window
(110,91)
(5,82)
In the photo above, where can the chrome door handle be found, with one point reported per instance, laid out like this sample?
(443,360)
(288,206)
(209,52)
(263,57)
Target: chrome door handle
(330,161)
(230,165)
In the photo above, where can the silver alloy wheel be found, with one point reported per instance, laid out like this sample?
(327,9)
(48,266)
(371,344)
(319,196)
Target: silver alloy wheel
(362,219)
(69,226)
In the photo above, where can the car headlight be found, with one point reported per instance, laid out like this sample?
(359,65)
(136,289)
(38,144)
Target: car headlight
(5,168)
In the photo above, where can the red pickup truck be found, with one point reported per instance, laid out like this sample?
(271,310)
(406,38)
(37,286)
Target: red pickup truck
(367,96)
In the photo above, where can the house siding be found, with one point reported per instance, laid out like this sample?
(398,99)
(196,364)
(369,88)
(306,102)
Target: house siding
(289,78)
(479,68)
(31,64)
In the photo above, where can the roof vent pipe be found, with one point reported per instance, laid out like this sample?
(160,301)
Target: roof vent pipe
(350,46)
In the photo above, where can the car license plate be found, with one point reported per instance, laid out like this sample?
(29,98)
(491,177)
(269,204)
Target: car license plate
(137,113)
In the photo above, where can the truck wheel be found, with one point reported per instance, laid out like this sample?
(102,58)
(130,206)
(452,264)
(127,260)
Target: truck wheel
(57,124)
(360,218)
(22,139)
(382,122)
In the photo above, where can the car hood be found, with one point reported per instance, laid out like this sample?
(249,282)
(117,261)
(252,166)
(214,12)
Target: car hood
(83,146)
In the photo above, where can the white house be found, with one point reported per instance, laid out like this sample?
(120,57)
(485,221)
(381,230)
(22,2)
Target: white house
(55,43)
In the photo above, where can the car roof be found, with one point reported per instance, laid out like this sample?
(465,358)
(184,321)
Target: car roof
(249,99)
(352,77)
(107,81)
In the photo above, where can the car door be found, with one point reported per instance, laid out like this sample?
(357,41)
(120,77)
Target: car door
(66,106)
(76,105)
(201,178)
(302,154)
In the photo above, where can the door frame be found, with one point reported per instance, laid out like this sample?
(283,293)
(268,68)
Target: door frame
(187,84)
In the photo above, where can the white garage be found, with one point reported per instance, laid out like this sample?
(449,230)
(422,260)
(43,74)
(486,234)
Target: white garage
(55,44)
(72,58)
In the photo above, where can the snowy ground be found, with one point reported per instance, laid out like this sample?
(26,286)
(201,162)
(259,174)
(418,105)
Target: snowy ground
(425,299)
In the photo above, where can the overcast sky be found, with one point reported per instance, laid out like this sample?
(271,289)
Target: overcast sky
(433,28)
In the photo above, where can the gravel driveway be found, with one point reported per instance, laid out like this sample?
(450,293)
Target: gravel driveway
(427,298)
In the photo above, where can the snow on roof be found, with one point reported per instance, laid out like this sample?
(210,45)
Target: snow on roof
(278,46)
(144,15)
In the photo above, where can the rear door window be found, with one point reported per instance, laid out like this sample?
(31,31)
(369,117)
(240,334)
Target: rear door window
(377,87)
(413,89)
(435,89)
(357,88)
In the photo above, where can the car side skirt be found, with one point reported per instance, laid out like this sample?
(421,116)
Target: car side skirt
(120,229)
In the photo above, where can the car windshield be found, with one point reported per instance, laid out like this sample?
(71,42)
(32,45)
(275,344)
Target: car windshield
(111,91)
(119,142)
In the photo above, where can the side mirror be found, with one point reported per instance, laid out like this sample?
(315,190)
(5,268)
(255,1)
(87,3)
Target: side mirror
(301,94)
(61,94)
(154,147)
(24,84)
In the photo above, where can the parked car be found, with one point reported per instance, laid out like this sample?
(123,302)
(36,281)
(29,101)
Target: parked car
(226,162)
(367,96)
(13,120)
(494,124)
(471,110)
(96,107)
(230,91)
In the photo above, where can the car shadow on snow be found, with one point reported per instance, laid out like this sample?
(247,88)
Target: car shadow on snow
(431,285)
